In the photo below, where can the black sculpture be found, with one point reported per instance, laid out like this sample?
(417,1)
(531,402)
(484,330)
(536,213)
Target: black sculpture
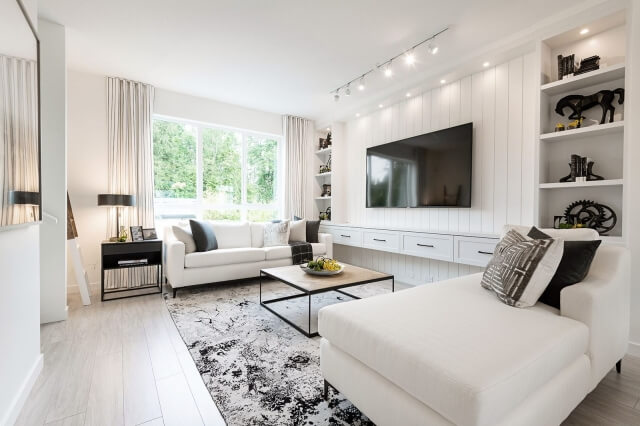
(580,167)
(579,103)
(590,214)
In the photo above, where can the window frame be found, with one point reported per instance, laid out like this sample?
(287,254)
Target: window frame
(198,204)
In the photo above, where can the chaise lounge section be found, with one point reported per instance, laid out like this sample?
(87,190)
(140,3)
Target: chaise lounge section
(452,353)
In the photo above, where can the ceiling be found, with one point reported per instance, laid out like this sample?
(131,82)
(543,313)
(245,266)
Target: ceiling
(282,56)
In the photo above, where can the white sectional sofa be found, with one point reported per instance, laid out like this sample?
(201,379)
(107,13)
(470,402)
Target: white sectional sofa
(452,353)
(240,254)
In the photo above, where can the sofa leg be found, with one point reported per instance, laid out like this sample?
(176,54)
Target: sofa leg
(619,366)
(325,394)
(175,290)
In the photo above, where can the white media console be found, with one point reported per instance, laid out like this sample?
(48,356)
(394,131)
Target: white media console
(466,248)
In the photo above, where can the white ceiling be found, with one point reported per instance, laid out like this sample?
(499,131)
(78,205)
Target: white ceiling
(282,56)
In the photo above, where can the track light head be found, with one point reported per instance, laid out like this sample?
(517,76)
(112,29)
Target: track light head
(347,91)
(432,48)
(361,85)
(336,96)
(410,58)
(388,72)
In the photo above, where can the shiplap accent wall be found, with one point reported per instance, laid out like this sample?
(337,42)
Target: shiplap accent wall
(500,101)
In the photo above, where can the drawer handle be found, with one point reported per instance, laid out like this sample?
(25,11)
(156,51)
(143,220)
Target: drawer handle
(346,236)
(424,245)
(485,252)
(382,241)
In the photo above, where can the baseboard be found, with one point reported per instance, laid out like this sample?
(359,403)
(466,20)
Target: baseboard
(634,349)
(75,289)
(18,402)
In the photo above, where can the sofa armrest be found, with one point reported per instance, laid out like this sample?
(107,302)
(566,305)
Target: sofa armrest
(601,302)
(174,262)
(327,240)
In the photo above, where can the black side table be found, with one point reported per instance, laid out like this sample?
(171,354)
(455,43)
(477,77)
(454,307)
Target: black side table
(125,257)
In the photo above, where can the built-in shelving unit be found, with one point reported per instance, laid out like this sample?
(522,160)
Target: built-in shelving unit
(602,143)
(321,158)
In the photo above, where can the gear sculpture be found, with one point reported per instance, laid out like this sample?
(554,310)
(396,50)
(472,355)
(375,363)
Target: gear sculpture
(591,215)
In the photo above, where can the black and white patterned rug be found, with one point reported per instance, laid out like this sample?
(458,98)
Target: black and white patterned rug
(258,369)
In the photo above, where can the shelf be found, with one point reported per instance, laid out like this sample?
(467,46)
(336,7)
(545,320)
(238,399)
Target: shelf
(614,72)
(557,185)
(323,174)
(618,240)
(323,198)
(324,151)
(584,132)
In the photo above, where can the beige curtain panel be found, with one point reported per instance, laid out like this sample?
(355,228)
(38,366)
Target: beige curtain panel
(19,133)
(298,139)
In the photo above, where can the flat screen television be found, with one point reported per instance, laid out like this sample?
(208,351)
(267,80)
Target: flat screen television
(429,170)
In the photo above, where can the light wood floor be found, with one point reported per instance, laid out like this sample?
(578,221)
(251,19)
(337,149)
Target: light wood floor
(124,363)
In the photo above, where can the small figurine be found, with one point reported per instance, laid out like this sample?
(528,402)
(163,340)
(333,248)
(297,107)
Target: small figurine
(559,127)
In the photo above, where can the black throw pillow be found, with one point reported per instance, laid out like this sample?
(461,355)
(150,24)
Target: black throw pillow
(203,235)
(573,268)
(312,231)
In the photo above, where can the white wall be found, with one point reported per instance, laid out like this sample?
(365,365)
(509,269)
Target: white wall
(53,236)
(87,149)
(500,103)
(20,357)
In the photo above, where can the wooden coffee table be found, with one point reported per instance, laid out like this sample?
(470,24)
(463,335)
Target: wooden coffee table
(309,285)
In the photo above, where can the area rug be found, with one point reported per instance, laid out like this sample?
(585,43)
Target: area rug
(258,369)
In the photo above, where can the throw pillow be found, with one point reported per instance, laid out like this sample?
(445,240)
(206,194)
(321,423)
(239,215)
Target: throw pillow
(521,268)
(312,231)
(203,235)
(276,234)
(298,230)
(574,266)
(186,237)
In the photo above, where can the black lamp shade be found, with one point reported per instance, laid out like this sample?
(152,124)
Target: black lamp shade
(123,200)
(24,197)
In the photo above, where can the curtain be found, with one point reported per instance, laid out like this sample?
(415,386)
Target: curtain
(298,138)
(19,136)
(130,168)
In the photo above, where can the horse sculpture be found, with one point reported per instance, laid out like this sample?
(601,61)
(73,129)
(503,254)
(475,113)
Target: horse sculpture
(579,103)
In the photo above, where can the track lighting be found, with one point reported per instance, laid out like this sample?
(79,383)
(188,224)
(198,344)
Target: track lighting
(336,97)
(347,91)
(361,84)
(486,64)
(410,58)
(432,48)
(388,72)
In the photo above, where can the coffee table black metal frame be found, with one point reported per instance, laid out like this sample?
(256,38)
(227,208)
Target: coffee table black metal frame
(309,293)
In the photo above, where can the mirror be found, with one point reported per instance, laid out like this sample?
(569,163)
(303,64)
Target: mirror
(20,200)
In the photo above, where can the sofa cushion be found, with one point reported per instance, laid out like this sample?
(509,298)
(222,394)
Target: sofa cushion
(224,257)
(186,237)
(298,230)
(319,249)
(257,234)
(578,234)
(455,347)
(313,227)
(276,234)
(277,252)
(232,234)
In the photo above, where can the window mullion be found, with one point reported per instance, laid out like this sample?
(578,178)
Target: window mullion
(199,173)
(243,206)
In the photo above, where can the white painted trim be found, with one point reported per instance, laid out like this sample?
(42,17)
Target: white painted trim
(21,396)
(633,349)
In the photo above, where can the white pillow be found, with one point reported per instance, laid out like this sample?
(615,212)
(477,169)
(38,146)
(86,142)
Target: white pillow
(185,236)
(521,268)
(298,230)
(276,234)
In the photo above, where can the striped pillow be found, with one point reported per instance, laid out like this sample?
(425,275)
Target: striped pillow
(522,268)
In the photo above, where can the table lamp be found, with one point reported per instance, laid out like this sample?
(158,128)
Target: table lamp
(118,201)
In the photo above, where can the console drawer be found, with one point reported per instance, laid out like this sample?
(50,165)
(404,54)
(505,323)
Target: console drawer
(473,250)
(347,236)
(432,246)
(380,240)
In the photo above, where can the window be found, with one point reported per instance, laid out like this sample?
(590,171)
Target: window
(208,172)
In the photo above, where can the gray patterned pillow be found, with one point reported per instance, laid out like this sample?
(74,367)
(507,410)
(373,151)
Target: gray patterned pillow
(276,234)
(521,268)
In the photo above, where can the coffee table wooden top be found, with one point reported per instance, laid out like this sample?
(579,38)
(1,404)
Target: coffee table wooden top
(351,275)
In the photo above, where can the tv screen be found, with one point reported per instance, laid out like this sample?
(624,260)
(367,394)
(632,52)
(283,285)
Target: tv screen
(430,170)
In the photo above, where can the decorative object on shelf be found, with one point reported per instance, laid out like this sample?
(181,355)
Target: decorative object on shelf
(566,66)
(581,170)
(325,215)
(326,190)
(136,233)
(590,174)
(328,140)
(589,64)
(118,201)
(558,222)
(123,236)
(149,234)
(326,168)
(575,124)
(559,127)
(579,103)
(322,143)
(589,214)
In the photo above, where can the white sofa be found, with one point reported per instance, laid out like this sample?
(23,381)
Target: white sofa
(240,255)
(452,353)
